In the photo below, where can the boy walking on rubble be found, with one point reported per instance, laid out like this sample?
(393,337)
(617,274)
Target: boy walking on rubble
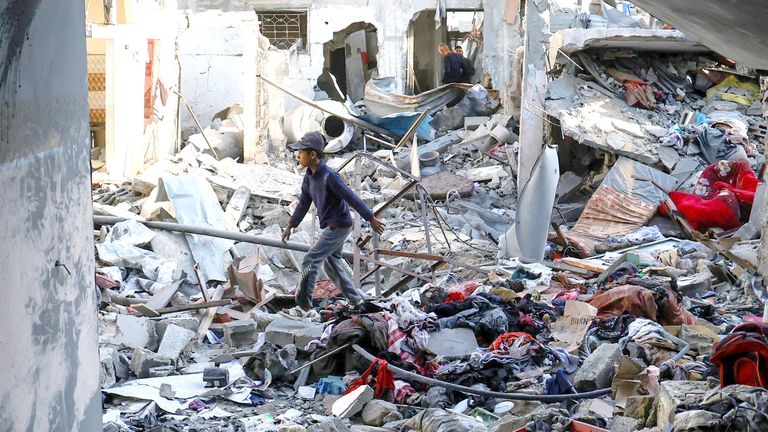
(332,198)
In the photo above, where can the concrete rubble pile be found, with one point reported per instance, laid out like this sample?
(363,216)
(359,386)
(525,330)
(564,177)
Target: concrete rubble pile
(626,324)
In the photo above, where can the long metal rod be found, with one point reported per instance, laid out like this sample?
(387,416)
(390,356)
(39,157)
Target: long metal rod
(413,127)
(213,232)
(346,116)
(470,390)
(194,117)
(329,353)
(429,257)
(395,268)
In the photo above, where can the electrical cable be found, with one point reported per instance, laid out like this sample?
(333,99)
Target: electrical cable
(486,393)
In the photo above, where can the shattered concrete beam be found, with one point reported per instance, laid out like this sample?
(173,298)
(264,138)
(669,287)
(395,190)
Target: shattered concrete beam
(213,232)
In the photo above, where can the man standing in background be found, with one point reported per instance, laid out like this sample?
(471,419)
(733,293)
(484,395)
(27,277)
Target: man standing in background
(468,69)
(452,65)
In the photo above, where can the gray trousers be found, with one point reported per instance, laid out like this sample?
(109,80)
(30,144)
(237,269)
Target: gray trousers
(326,251)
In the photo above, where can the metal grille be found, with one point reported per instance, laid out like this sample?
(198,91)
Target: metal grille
(284,28)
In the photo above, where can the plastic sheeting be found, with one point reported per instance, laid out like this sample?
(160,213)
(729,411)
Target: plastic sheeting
(196,204)
(624,202)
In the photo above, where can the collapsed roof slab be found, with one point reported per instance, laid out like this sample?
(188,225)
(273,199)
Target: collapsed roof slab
(667,41)
(604,122)
(733,28)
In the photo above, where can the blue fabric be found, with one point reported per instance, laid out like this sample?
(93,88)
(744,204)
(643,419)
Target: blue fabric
(558,384)
(326,251)
(332,198)
(399,123)
(454,68)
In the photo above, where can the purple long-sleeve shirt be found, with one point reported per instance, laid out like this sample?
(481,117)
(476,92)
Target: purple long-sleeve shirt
(332,198)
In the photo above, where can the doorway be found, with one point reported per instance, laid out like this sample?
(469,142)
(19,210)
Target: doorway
(350,61)
(458,27)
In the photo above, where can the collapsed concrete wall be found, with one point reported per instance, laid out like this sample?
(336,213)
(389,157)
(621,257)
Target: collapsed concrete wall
(50,379)
(391,21)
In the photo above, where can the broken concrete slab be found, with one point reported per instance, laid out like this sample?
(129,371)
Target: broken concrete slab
(143,360)
(174,246)
(135,332)
(674,393)
(237,205)
(379,412)
(625,424)
(107,359)
(241,333)
(353,402)
(472,123)
(286,331)
(598,369)
(457,342)
(639,407)
(175,340)
(669,156)
(483,174)
(438,185)
(187,322)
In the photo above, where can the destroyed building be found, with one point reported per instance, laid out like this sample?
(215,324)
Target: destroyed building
(574,234)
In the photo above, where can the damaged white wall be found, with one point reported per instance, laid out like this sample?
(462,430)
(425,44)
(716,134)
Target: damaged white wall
(391,19)
(50,379)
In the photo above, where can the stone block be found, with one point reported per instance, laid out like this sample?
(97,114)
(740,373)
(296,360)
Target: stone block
(285,331)
(625,424)
(639,407)
(241,333)
(352,403)
(458,342)
(135,332)
(472,123)
(175,340)
(187,322)
(598,369)
(378,412)
(107,359)
(143,360)
(674,393)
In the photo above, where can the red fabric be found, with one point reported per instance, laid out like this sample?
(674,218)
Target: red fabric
(703,214)
(506,340)
(455,296)
(467,288)
(384,379)
(724,193)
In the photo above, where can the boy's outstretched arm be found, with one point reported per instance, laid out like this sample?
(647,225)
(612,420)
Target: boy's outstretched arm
(341,188)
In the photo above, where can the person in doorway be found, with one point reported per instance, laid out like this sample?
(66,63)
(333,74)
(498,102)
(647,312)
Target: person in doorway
(452,65)
(467,68)
(332,198)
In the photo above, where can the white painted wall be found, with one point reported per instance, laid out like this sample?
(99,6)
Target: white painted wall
(211,47)
(49,379)
(212,58)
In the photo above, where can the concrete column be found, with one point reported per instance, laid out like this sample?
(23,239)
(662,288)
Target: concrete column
(534,88)
(49,380)
(763,267)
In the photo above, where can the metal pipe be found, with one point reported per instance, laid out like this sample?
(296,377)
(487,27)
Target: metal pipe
(329,353)
(194,117)
(344,116)
(213,232)
(512,396)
